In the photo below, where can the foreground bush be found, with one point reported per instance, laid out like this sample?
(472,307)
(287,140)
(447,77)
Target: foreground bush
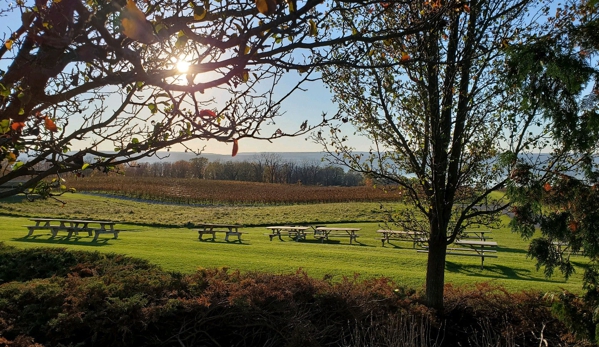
(53,297)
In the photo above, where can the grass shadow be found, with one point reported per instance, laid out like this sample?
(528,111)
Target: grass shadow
(222,241)
(511,250)
(394,245)
(64,240)
(495,271)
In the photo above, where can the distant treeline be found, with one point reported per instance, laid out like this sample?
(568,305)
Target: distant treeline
(266,168)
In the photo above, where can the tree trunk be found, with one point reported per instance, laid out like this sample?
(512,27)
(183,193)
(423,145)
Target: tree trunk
(435,270)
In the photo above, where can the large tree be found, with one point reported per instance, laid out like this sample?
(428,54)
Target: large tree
(445,127)
(119,80)
(558,207)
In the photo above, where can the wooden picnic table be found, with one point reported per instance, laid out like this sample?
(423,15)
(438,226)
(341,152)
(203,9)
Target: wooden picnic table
(228,229)
(95,227)
(295,232)
(482,249)
(323,233)
(412,236)
(479,234)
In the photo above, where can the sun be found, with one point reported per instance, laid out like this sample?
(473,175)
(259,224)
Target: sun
(182,66)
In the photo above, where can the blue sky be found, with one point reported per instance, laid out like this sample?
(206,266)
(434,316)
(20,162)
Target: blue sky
(300,106)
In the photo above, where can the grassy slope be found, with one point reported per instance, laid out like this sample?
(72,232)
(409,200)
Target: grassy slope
(177,248)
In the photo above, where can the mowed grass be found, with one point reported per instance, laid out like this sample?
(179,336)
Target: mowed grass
(155,232)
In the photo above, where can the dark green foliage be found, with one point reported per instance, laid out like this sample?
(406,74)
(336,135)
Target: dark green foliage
(119,301)
(553,77)
(24,265)
(576,314)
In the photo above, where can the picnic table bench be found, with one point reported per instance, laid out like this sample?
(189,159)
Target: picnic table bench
(296,232)
(476,234)
(563,247)
(54,225)
(212,229)
(472,248)
(323,233)
(411,236)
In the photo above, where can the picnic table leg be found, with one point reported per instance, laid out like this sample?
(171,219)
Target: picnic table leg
(227,234)
(115,233)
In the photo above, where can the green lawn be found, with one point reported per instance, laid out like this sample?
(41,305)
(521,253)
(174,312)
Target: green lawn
(147,234)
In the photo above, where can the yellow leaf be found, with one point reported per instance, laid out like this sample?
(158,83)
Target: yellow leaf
(266,7)
(134,23)
(245,75)
(181,40)
(12,157)
(246,50)
(313,28)
(8,44)
(404,57)
(57,1)
(292,5)
(199,12)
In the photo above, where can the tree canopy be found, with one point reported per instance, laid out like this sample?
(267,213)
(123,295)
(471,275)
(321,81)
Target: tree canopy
(446,126)
(558,72)
(119,80)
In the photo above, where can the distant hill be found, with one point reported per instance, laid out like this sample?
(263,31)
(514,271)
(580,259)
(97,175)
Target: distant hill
(286,156)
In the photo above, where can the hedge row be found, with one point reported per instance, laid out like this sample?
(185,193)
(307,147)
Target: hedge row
(55,297)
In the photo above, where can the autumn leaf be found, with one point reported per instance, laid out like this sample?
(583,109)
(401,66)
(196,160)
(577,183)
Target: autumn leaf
(11,157)
(134,23)
(404,57)
(547,187)
(207,114)
(313,28)
(292,5)
(181,39)
(266,7)
(8,44)
(244,49)
(235,147)
(199,12)
(49,124)
(466,8)
(245,75)
(17,126)
(573,226)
